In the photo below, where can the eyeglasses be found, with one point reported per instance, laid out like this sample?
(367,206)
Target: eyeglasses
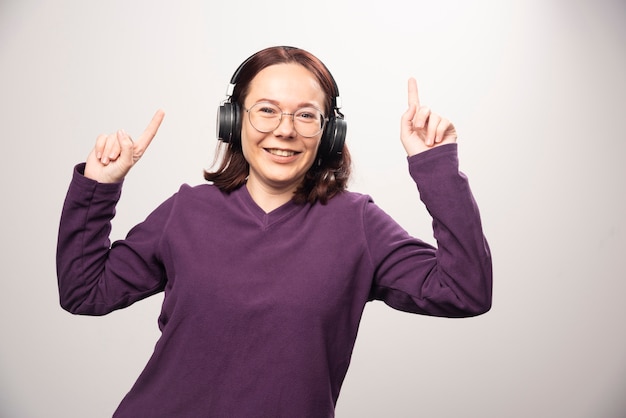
(266,117)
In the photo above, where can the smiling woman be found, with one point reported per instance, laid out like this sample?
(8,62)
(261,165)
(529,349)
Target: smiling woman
(267,271)
(295,80)
(280,158)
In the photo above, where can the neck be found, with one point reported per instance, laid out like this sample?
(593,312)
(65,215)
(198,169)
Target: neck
(268,199)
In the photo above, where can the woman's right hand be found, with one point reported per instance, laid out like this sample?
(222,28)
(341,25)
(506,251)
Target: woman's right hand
(115,154)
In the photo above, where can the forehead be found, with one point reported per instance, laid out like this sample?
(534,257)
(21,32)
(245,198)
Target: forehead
(289,84)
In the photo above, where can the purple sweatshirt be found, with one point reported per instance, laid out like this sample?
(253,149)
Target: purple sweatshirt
(261,310)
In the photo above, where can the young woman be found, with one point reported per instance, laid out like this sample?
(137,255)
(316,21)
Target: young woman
(267,269)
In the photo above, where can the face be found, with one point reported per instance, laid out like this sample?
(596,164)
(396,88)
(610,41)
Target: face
(279,159)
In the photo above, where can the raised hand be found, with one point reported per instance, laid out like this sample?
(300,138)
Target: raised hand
(421,129)
(115,154)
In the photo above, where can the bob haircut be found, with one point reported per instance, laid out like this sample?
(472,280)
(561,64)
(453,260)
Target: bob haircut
(327,176)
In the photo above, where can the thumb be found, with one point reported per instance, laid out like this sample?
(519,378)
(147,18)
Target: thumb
(127,151)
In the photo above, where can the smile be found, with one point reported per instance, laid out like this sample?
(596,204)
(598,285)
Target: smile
(281,152)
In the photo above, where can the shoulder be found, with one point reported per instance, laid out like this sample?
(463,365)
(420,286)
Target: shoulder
(188,196)
(350,199)
(348,205)
(201,191)
(359,207)
(205,192)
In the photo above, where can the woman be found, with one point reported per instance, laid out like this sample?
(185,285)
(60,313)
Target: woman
(267,270)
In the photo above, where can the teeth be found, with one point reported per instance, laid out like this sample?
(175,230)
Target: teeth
(281,153)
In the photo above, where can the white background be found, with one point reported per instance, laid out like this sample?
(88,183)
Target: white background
(535,88)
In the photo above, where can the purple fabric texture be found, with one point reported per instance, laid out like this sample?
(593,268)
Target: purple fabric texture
(261,310)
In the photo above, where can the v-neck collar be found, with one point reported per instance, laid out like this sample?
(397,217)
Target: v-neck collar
(265,219)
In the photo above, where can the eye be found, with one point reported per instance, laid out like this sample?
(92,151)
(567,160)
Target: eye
(266,109)
(308,115)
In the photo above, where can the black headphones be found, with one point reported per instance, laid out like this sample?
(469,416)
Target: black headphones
(229,118)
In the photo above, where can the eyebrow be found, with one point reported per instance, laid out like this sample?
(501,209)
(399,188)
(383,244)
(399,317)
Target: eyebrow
(298,106)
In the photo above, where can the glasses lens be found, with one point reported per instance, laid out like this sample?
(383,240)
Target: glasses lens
(308,121)
(266,117)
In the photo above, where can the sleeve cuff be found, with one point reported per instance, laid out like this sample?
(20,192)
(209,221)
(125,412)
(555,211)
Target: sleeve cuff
(79,181)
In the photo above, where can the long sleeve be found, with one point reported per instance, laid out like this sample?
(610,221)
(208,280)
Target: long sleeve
(95,277)
(455,278)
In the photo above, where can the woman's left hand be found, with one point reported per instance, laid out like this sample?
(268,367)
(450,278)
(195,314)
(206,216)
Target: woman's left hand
(421,129)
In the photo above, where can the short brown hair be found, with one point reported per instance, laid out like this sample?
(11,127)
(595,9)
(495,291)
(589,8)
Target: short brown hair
(327,176)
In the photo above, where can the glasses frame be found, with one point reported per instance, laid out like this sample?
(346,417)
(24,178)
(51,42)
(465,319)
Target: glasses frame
(280,119)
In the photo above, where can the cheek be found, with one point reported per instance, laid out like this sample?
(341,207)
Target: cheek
(245,143)
(316,145)
(313,148)
(248,137)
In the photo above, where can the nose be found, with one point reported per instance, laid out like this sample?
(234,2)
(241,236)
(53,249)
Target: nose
(286,127)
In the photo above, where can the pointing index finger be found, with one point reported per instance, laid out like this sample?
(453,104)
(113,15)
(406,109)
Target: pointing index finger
(413,94)
(150,132)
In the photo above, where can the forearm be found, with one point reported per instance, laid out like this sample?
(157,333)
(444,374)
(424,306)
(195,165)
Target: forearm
(94,277)
(83,240)
(463,255)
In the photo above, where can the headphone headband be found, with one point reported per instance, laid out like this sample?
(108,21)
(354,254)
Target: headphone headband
(233,80)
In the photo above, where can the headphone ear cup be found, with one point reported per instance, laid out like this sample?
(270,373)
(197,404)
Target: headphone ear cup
(228,123)
(334,138)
